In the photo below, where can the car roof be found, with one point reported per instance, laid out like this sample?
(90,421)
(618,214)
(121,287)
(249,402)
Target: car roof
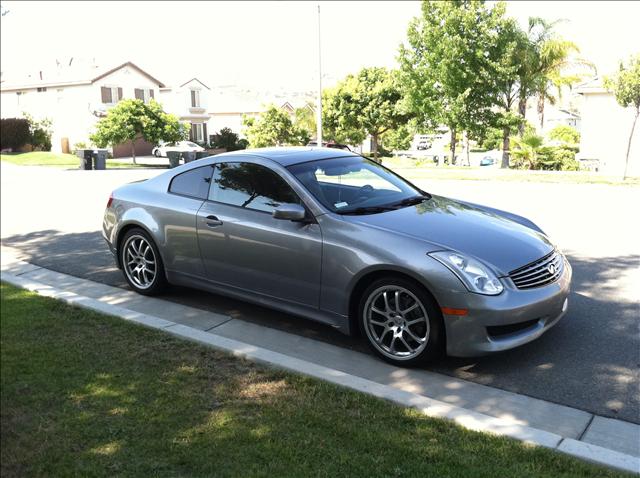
(288,156)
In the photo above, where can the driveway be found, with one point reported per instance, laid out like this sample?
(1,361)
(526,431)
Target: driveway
(590,360)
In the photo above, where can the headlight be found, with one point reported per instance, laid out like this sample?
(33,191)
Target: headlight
(474,275)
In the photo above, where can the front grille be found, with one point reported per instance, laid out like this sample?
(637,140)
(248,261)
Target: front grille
(538,273)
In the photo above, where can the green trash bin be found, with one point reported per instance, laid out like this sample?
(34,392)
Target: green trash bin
(174,158)
(86,158)
(188,156)
(100,159)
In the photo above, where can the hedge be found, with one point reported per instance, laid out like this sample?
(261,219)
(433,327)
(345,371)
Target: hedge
(14,133)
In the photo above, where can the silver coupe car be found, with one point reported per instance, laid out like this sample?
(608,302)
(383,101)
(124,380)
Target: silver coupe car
(329,235)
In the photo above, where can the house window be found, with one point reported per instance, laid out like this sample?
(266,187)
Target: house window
(110,94)
(144,94)
(195,98)
(42,89)
(59,92)
(197,133)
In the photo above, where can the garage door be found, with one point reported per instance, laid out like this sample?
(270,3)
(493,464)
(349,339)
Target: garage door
(142,148)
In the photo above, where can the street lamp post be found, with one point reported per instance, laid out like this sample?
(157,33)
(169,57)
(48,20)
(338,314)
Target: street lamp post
(319,105)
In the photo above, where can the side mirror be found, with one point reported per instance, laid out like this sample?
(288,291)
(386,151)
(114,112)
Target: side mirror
(290,212)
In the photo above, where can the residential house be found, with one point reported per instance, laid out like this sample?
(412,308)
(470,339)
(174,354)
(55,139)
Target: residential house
(554,115)
(189,102)
(230,104)
(76,97)
(605,129)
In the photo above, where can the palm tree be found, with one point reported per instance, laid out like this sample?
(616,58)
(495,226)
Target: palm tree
(525,150)
(550,64)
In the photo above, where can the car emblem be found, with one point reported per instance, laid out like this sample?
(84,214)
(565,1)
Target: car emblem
(551,269)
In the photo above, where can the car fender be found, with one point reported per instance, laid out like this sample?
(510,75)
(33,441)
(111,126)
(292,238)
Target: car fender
(137,217)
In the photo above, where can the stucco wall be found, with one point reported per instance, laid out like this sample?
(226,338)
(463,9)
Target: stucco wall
(604,135)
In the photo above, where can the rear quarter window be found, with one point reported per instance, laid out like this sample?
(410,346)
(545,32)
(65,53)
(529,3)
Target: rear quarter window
(193,183)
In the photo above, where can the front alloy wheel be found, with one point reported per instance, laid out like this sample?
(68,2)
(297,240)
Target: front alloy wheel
(400,322)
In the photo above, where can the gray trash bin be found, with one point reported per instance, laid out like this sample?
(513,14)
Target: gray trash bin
(100,158)
(86,158)
(174,158)
(188,156)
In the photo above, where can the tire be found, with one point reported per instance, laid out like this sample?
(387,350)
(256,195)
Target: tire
(139,252)
(156,153)
(408,334)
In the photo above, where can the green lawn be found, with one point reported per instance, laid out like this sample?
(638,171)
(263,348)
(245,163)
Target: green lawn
(412,169)
(84,394)
(58,160)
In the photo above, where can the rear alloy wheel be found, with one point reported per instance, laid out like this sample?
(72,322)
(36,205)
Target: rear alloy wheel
(401,322)
(141,263)
(156,153)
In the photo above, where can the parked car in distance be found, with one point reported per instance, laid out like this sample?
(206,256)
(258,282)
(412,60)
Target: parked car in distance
(488,161)
(181,146)
(335,237)
(329,144)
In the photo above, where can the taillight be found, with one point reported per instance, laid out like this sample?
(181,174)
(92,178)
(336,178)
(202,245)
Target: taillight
(110,200)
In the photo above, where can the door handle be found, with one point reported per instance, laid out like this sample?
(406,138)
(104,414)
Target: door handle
(213,221)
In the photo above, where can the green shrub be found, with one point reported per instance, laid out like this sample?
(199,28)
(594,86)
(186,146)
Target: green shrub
(491,139)
(40,132)
(14,133)
(565,134)
(228,140)
(557,158)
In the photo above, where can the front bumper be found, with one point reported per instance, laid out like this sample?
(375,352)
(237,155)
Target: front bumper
(502,322)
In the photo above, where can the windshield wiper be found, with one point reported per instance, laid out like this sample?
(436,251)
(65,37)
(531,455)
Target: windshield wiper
(368,210)
(412,200)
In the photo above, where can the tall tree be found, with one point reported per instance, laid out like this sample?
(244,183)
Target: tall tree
(447,66)
(364,104)
(549,64)
(626,87)
(304,117)
(274,128)
(133,119)
(510,52)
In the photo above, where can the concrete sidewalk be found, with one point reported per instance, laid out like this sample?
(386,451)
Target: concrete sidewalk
(611,442)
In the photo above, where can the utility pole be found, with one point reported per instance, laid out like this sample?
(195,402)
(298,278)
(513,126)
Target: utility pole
(319,105)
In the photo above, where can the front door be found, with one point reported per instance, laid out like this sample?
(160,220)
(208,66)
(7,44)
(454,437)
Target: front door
(243,246)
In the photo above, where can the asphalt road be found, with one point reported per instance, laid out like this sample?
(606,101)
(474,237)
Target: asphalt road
(590,360)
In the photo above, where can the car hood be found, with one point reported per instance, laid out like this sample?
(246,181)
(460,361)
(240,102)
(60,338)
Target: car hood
(500,239)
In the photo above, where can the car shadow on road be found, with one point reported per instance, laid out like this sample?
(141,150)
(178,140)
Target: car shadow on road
(589,360)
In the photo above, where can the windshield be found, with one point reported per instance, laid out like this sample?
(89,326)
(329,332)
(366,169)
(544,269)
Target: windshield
(190,144)
(353,184)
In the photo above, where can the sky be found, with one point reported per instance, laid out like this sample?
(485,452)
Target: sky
(266,45)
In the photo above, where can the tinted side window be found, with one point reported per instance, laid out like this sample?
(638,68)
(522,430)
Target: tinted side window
(194,183)
(251,186)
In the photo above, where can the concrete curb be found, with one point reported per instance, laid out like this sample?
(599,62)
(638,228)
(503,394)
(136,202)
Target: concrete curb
(466,418)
